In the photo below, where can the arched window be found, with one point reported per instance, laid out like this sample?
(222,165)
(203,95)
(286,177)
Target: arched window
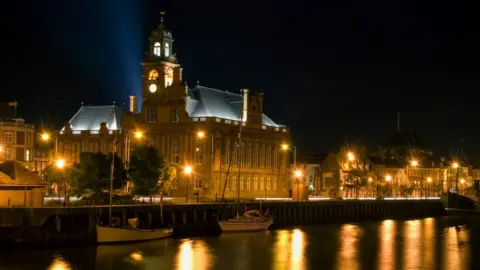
(153,74)
(167,50)
(156,49)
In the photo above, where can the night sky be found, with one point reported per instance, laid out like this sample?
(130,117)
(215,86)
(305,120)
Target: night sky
(331,70)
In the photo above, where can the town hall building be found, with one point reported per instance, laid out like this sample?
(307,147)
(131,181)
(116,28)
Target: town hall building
(232,146)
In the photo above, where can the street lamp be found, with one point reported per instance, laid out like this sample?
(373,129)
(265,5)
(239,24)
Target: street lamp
(46,137)
(188,171)
(388,178)
(200,134)
(60,164)
(286,147)
(138,134)
(455,165)
(298,175)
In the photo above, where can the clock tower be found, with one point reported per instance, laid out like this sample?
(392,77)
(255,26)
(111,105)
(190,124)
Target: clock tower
(162,85)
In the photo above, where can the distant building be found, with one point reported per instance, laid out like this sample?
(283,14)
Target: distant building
(16,137)
(20,186)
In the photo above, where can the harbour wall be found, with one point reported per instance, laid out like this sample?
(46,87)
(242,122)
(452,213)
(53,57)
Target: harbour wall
(28,227)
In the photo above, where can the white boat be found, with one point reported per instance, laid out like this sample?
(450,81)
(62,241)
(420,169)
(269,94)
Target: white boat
(106,234)
(253,220)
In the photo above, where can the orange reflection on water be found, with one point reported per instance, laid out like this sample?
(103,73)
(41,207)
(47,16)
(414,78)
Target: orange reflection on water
(387,245)
(289,250)
(349,236)
(413,244)
(193,255)
(429,242)
(59,263)
(456,248)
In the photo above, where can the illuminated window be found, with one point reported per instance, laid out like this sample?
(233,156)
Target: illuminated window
(242,154)
(242,180)
(274,183)
(267,182)
(167,50)
(262,179)
(275,157)
(255,183)
(153,74)
(269,157)
(85,146)
(199,153)
(255,156)
(198,181)
(248,158)
(152,115)
(27,155)
(175,151)
(227,152)
(261,157)
(8,154)
(175,115)
(8,137)
(157,48)
(248,183)
(234,182)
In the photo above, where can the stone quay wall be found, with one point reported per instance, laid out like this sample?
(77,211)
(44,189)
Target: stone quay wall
(49,226)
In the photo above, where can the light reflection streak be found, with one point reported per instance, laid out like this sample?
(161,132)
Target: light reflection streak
(429,242)
(289,250)
(59,263)
(387,245)
(456,248)
(193,255)
(349,236)
(413,245)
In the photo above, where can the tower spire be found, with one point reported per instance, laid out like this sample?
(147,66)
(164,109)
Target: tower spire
(398,121)
(162,13)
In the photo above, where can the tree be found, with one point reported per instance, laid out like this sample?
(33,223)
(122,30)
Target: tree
(147,168)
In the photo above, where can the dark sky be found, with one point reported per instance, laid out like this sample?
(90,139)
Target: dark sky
(329,69)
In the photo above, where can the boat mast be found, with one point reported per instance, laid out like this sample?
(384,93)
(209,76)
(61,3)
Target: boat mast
(112,169)
(239,156)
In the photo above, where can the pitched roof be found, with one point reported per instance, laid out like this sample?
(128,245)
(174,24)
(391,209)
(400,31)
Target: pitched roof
(208,102)
(14,173)
(90,117)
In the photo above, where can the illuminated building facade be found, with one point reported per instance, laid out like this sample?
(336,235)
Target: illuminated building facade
(16,137)
(197,127)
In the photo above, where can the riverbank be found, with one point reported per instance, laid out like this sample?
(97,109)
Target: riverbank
(65,226)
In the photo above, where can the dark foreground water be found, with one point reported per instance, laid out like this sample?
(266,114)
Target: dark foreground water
(432,243)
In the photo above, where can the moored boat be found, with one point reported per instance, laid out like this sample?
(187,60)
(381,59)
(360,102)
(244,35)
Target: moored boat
(252,220)
(109,234)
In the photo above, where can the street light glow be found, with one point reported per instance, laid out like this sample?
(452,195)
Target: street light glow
(138,134)
(455,165)
(462,181)
(429,179)
(60,163)
(45,136)
(284,146)
(1,148)
(351,156)
(187,169)
(298,173)
(414,163)
(370,179)
(200,134)
(388,178)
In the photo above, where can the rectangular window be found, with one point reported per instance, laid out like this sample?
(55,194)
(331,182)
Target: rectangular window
(248,158)
(27,155)
(199,153)
(7,137)
(262,180)
(255,183)
(261,157)
(269,157)
(242,182)
(29,138)
(255,156)
(20,139)
(175,152)
(248,183)
(175,115)
(274,183)
(198,182)
(267,181)
(152,115)
(242,154)
(8,154)
(227,152)
(275,157)
(234,182)
(84,145)
(103,146)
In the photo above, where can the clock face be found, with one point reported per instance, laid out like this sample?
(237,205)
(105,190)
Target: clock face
(152,88)
(168,76)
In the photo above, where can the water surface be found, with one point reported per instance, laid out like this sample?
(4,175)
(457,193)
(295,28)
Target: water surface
(431,243)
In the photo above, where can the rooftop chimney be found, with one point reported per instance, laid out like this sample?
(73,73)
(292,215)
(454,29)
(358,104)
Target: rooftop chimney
(133,104)
(245,104)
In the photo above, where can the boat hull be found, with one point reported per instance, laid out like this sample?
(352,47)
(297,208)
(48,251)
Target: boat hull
(120,235)
(239,226)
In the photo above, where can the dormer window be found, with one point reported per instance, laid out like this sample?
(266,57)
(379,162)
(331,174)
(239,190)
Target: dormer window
(167,50)
(156,49)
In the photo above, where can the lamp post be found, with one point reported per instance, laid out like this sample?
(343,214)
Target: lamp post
(286,147)
(462,181)
(298,175)
(388,178)
(201,135)
(455,166)
(60,164)
(45,136)
(188,171)
(429,180)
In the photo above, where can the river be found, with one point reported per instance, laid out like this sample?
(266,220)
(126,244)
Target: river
(431,243)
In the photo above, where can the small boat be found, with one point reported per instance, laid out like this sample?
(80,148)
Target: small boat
(252,220)
(111,234)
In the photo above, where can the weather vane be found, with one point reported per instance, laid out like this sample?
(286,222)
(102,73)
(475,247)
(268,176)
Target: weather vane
(162,13)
